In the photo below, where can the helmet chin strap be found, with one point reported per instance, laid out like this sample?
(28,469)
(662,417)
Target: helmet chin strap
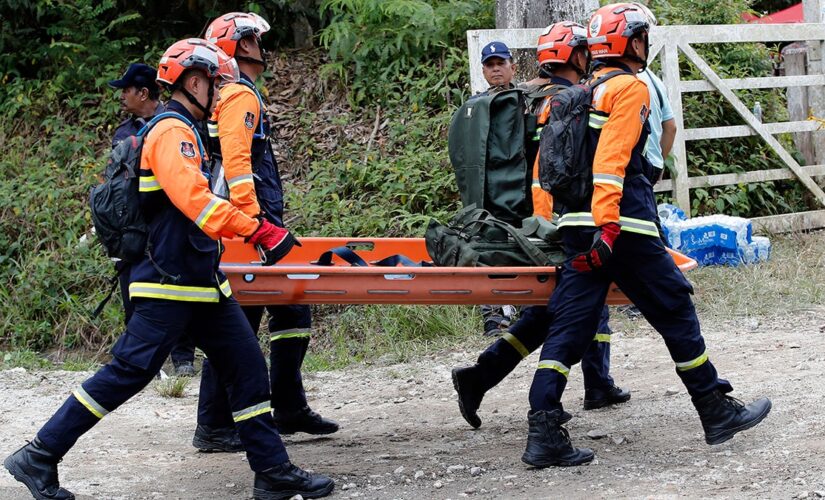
(210,95)
(252,60)
(638,59)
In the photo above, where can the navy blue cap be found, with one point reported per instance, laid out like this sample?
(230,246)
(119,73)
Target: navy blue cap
(138,75)
(495,49)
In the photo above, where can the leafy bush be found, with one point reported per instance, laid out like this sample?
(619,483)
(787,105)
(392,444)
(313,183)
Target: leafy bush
(387,50)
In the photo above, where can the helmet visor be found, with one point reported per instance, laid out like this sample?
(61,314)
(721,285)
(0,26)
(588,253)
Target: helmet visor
(260,23)
(228,70)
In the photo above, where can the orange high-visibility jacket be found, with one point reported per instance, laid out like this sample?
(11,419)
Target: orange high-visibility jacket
(237,116)
(185,218)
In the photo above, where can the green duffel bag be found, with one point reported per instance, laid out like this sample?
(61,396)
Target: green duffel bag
(474,238)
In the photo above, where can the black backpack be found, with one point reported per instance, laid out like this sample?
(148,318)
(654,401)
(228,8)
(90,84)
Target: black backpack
(115,204)
(565,165)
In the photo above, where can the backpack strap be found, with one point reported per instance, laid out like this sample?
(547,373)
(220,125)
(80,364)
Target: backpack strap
(607,76)
(538,257)
(549,90)
(171,114)
(113,281)
(349,255)
(656,88)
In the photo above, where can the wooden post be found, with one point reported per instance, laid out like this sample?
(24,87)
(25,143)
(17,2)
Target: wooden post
(794,60)
(670,77)
(813,11)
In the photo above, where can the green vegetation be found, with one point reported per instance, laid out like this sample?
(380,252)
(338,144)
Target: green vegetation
(402,66)
(172,387)
(392,333)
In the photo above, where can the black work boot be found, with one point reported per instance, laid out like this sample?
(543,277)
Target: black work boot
(217,439)
(470,388)
(548,443)
(599,398)
(467,383)
(286,480)
(36,467)
(303,420)
(723,416)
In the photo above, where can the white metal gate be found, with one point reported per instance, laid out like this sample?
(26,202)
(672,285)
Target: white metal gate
(666,43)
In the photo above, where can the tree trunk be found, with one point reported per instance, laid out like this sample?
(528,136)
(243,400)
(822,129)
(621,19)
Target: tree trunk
(541,13)
(538,14)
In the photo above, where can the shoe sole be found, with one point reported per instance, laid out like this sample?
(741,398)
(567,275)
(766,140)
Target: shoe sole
(555,463)
(727,435)
(207,447)
(289,432)
(258,494)
(595,404)
(474,424)
(23,478)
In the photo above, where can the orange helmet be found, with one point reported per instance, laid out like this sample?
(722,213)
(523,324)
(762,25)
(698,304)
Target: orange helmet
(228,29)
(558,41)
(612,26)
(199,54)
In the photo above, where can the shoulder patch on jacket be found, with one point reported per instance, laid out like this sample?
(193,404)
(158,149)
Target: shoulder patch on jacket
(249,120)
(643,113)
(187,149)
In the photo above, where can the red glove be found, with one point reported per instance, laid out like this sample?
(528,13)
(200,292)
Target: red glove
(601,250)
(275,242)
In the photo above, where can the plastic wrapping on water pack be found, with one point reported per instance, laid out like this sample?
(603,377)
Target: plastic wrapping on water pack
(714,239)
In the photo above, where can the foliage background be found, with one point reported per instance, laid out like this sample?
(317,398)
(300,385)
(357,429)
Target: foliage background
(394,68)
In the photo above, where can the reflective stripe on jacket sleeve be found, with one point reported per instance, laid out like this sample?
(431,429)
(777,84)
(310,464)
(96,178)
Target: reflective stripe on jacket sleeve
(237,111)
(177,170)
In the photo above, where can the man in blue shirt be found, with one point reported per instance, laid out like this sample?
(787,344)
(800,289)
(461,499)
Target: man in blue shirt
(662,124)
(140,97)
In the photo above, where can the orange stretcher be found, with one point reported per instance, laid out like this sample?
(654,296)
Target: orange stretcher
(295,280)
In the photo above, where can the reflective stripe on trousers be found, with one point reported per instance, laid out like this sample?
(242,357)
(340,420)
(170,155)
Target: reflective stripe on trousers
(551,364)
(93,406)
(693,363)
(251,412)
(628,224)
(292,333)
(516,343)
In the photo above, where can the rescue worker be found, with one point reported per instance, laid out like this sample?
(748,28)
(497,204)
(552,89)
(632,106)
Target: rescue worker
(563,61)
(240,133)
(613,238)
(177,288)
(140,97)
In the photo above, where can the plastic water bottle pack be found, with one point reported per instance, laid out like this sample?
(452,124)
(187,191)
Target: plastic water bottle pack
(714,239)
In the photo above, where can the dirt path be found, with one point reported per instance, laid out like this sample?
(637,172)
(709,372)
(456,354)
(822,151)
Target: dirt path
(402,436)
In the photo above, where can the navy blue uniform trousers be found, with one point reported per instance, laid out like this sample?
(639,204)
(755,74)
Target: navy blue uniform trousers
(184,350)
(221,331)
(528,333)
(289,328)
(646,273)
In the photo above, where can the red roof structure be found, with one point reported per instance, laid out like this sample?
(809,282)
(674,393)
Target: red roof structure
(792,14)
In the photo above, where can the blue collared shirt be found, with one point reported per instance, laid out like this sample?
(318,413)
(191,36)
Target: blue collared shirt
(131,125)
